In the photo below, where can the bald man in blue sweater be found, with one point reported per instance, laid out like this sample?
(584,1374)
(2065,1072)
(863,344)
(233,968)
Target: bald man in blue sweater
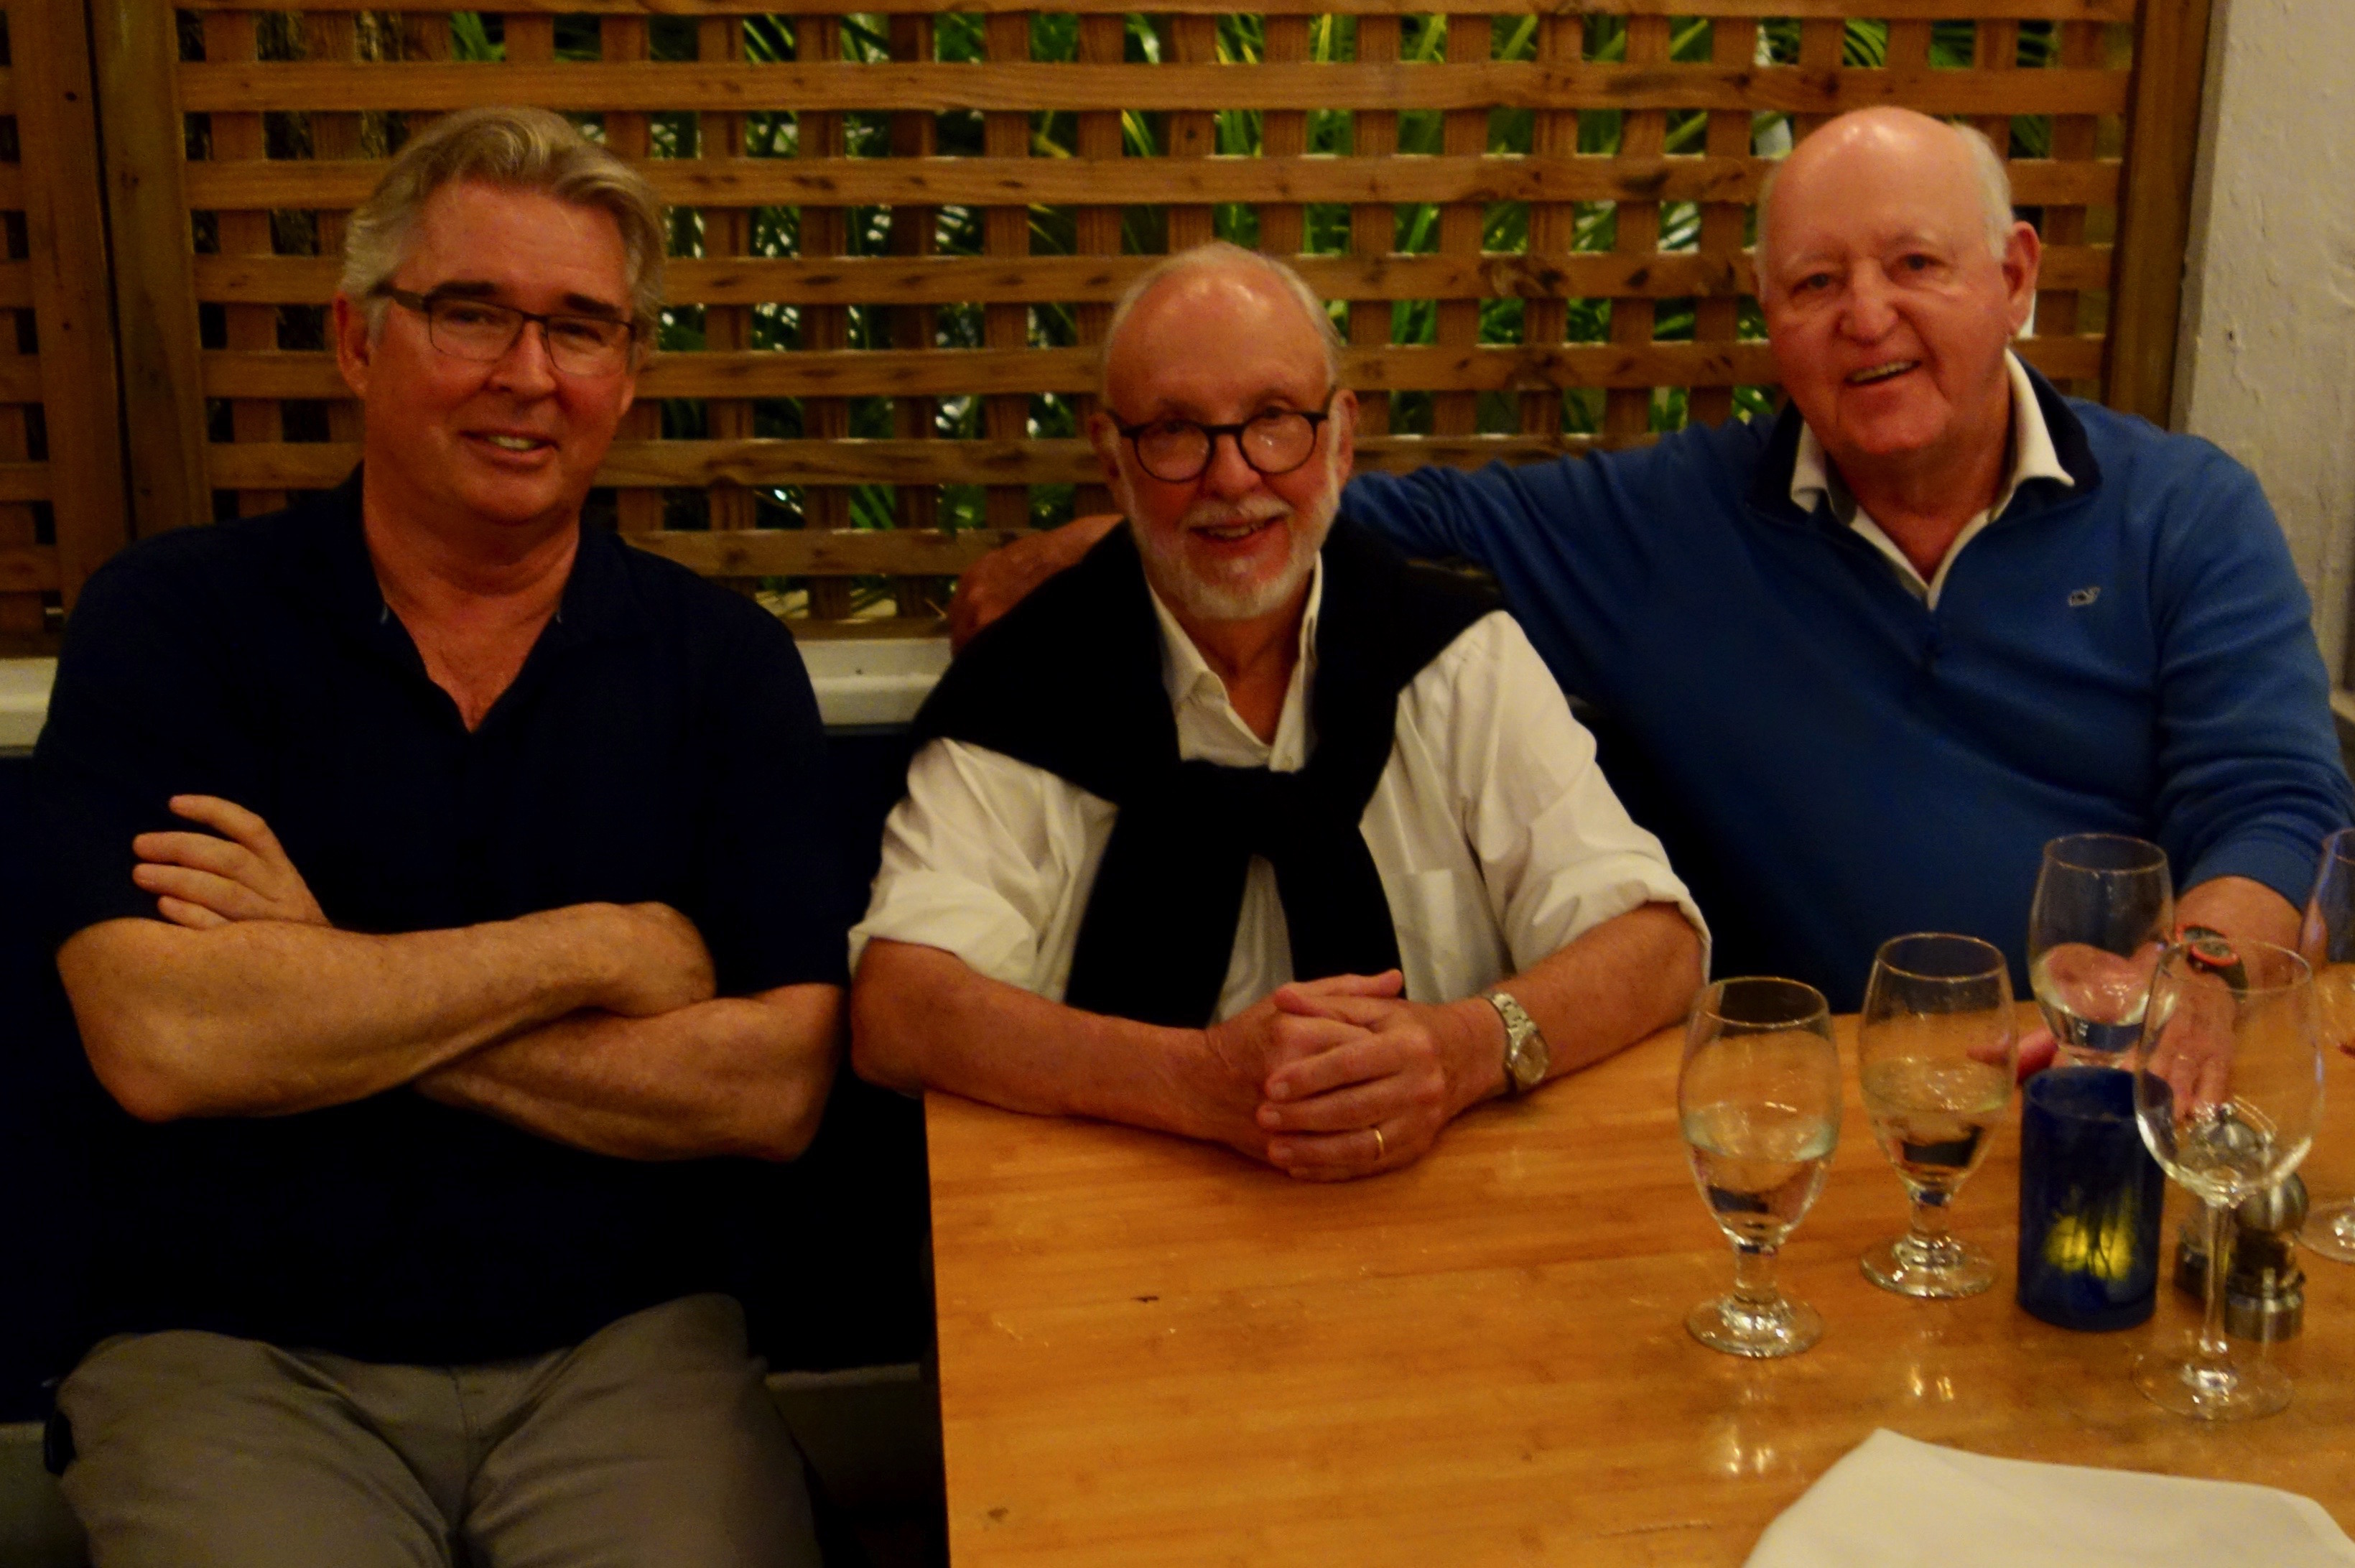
(1857,664)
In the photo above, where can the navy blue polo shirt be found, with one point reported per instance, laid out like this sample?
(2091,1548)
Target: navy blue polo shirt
(661,742)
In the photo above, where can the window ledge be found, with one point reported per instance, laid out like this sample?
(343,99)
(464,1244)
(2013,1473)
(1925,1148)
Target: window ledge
(860,682)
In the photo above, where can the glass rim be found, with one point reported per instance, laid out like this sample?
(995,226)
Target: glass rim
(2056,853)
(2339,844)
(1709,1002)
(1997,964)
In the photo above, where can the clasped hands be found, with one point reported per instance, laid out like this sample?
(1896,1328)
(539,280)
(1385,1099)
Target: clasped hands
(1328,1080)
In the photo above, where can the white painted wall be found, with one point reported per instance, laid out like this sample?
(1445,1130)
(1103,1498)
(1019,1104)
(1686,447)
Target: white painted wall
(2265,368)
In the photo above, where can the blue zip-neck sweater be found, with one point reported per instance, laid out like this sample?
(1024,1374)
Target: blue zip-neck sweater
(1830,761)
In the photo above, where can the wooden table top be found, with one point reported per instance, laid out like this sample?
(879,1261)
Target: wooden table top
(1154,1351)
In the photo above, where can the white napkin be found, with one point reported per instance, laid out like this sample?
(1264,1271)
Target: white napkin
(1892,1503)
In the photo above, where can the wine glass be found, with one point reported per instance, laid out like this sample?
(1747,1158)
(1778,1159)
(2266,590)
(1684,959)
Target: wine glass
(2228,1092)
(2328,942)
(1759,1097)
(1936,1048)
(2105,908)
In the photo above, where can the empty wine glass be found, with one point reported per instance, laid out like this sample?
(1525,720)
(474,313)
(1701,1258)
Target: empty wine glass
(1759,1097)
(1936,1048)
(2105,908)
(2228,1090)
(2328,942)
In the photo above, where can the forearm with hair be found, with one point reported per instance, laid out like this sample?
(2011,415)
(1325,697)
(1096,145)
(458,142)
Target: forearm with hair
(920,1017)
(267,1018)
(736,1075)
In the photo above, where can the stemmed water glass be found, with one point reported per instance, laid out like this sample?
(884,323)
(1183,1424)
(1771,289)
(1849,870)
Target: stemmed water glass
(1936,1048)
(1759,1097)
(2228,1092)
(2105,908)
(2327,942)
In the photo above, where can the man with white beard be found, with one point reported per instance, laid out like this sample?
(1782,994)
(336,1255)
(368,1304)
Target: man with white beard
(1243,828)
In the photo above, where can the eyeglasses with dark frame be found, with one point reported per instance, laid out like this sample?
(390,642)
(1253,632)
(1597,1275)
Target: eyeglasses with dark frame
(1273,442)
(474,329)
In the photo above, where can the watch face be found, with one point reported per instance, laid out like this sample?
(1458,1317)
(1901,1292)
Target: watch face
(1527,1061)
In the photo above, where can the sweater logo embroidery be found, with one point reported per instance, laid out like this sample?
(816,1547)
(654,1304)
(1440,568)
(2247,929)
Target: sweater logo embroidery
(2083,597)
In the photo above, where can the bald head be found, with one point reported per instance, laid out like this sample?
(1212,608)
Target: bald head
(1954,157)
(1215,269)
(1893,278)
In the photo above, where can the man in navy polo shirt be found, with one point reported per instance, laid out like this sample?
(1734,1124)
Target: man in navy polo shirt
(440,898)
(1857,665)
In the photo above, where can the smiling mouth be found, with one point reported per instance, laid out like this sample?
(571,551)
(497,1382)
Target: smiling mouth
(1866,378)
(517,443)
(1230,533)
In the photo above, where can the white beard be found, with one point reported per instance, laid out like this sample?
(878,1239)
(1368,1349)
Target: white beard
(1235,596)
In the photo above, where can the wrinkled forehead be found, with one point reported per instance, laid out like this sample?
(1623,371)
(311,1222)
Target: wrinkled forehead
(492,242)
(1877,191)
(1215,345)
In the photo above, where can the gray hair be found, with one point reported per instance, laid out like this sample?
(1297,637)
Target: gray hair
(1994,181)
(522,148)
(1220,255)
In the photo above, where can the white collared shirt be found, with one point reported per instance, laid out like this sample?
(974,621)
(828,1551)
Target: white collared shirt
(1813,478)
(1496,838)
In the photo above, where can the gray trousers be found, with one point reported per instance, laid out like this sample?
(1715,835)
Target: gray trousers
(651,1443)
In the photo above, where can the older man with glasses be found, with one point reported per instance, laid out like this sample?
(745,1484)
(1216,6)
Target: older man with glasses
(438,891)
(1858,663)
(1244,830)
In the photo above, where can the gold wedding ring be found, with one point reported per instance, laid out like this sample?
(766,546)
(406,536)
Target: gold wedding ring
(1382,1144)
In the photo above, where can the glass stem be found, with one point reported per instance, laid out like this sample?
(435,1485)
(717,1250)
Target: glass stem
(1929,1217)
(1753,1274)
(2212,1348)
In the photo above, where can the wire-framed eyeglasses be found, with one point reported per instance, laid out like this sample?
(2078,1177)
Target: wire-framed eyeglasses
(1272,441)
(477,329)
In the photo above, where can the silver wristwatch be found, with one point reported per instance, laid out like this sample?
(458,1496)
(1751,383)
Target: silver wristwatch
(1526,1056)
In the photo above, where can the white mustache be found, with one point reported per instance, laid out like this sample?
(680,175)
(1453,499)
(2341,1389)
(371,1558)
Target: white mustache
(1210,514)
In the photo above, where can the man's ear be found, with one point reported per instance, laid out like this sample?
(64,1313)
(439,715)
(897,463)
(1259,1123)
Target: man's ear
(1344,427)
(352,345)
(2023,256)
(1103,436)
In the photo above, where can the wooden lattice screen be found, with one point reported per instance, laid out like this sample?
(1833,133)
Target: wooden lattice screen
(897,232)
(61,500)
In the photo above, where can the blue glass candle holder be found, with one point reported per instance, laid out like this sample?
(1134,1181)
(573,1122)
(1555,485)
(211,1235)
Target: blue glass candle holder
(2089,1201)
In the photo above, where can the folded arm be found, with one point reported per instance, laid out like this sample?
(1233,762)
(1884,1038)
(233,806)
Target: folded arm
(740,1075)
(270,1017)
(242,1000)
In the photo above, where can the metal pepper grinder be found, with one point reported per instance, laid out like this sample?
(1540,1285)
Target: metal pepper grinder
(2264,1295)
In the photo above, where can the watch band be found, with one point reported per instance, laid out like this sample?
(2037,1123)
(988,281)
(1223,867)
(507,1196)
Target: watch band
(1526,1053)
(2211,950)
